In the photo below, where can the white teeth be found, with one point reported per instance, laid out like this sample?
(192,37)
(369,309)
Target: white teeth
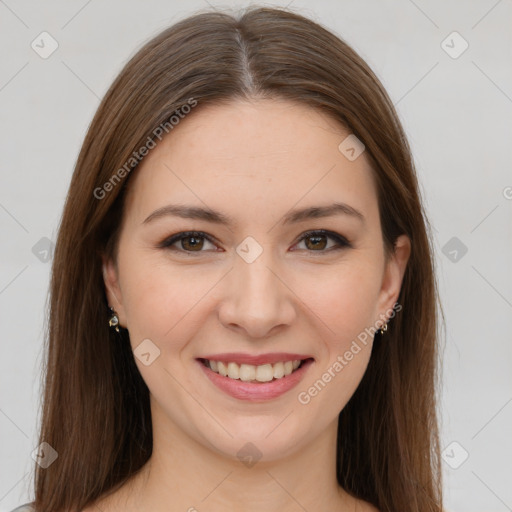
(222,369)
(249,372)
(279,370)
(264,373)
(233,371)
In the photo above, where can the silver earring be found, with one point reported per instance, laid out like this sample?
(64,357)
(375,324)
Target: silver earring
(113,320)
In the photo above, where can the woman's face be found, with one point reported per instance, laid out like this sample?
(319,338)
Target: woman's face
(253,288)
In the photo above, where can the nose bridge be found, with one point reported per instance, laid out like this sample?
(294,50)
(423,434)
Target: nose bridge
(256,299)
(257,276)
(255,282)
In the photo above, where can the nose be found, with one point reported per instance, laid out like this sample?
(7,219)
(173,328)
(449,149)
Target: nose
(256,299)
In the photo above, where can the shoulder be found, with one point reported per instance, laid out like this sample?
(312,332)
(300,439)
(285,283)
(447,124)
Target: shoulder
(24,508)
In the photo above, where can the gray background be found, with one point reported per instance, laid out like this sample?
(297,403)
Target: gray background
(457,113)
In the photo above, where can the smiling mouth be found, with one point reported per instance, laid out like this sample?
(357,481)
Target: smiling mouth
(254,373)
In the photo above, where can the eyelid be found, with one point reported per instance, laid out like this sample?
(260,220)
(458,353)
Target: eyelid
(342,241)
(170,240)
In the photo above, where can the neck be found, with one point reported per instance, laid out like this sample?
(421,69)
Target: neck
(185,475)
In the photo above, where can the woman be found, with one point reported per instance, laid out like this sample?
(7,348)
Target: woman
(243,297)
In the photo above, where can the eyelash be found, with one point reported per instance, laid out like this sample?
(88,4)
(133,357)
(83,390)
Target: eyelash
(167,243)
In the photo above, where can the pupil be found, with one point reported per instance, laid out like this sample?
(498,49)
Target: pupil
(196,241)
(317,241)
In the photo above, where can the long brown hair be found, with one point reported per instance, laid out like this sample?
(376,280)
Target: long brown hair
(96,412)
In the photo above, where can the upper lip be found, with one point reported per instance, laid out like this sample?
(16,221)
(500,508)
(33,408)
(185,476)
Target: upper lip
(256,360)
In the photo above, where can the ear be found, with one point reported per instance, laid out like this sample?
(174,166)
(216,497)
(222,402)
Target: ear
(392,279)
(112,289)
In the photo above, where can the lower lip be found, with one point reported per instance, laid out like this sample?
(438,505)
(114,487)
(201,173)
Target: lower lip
(256,391)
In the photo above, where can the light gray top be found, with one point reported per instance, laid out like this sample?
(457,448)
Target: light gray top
(24,508)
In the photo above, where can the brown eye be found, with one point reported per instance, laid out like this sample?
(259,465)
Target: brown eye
(193,243)
(317,241)
(190,242)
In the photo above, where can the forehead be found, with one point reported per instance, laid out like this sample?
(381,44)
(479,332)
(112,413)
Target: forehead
(248,157)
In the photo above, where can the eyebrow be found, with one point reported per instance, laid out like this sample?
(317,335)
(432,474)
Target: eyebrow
(294,216)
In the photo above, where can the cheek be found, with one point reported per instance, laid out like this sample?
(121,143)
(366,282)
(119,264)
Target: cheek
(344,298)
(345,304)
(345,301)
(161,297)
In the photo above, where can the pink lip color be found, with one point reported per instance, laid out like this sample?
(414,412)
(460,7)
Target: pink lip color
(256,391)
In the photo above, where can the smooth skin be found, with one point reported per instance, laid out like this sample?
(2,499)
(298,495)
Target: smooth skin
(254,162)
